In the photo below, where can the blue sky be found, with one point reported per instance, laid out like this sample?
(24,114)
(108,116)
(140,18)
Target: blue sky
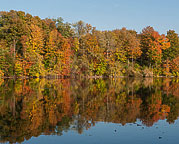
(105,14)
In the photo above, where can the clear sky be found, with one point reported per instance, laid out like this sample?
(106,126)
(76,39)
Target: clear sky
(105,14)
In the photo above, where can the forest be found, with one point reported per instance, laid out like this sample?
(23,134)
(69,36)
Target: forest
(35,47)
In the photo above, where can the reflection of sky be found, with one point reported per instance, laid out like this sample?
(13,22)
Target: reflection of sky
(105,14)
(109,133)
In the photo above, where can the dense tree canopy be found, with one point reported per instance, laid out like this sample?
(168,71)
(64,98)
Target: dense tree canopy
(31,46)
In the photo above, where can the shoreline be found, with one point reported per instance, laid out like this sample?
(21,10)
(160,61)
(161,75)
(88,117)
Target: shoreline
(86,77)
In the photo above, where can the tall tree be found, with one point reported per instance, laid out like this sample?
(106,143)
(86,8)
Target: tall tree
(173,50)
(152,44)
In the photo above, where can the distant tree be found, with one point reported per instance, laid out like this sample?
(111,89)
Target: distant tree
(152,45)
(173,50)
(64,28)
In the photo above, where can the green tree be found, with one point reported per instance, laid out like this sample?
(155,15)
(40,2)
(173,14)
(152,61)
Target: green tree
(173,51)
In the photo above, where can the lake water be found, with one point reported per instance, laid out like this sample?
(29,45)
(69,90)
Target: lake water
(91,111)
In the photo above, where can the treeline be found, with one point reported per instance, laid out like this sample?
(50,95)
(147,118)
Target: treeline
(39,107)
(34,47)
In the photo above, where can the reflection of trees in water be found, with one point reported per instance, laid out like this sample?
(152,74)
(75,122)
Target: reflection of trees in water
(34,107)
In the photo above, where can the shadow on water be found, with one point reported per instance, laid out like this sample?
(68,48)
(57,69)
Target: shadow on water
(49,107)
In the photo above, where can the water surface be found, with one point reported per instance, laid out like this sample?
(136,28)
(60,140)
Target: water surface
(110,111)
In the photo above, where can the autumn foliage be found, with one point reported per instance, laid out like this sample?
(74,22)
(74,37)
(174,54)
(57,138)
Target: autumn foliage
(35,47)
